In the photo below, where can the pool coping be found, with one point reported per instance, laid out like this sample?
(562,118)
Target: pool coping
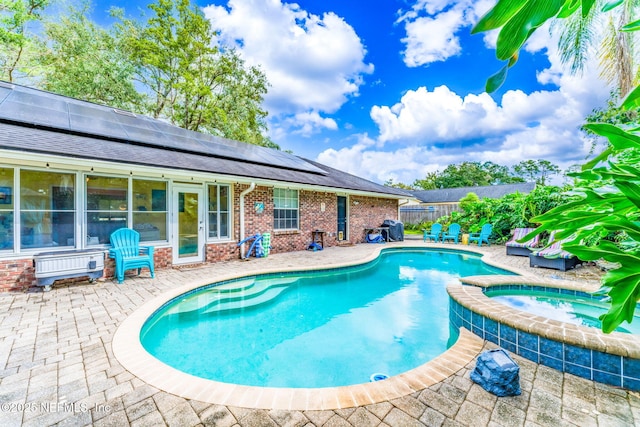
(129,352)
(584,351)
(474,298)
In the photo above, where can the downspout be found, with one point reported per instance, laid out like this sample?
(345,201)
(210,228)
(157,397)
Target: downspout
(251,187)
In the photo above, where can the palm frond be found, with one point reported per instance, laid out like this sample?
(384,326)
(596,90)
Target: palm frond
(576,37)
(616,54)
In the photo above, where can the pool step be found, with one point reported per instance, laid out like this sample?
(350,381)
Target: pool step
(266,296)
(223,297)
(238,285)
(199,300)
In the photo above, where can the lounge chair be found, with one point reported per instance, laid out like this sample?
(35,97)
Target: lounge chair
(452,233)
(128,253)
(521,249)
(482,236)
(553,256)
(434,233)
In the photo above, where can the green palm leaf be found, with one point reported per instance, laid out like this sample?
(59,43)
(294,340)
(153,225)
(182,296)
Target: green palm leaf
(499,15)
(611,5)
(521,25)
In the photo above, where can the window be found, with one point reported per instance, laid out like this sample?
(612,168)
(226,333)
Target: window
(285,212)
(107,207)
(150,209)
(6,208)
(219,212)
(47,209)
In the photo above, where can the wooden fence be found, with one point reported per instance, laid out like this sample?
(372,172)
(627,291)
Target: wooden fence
(419,214)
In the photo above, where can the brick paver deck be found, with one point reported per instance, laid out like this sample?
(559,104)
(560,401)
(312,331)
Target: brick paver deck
(57,366)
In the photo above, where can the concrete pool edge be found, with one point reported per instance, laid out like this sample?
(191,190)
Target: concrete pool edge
(129,352)
(587,352)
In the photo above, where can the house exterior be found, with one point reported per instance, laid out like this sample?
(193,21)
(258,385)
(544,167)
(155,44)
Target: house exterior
(72,172)
(434,204)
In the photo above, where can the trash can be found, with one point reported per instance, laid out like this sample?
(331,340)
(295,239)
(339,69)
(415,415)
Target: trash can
(465,239)
(266,244)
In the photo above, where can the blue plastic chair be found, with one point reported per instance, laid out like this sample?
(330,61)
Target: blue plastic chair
(433,234)
(453,233)
(482,236)
(128,253)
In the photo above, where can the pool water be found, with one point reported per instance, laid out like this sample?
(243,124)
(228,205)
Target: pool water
(315,329)
(577,310)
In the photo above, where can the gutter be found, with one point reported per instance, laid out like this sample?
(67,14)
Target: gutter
(252,187)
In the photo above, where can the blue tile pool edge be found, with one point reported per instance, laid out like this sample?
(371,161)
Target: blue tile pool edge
(591,364)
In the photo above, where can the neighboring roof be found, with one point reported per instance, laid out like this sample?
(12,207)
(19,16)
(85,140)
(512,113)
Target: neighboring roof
(453,195)
(36,121)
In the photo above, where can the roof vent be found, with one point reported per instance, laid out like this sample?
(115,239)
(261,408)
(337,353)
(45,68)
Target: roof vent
(6,85)
(124,113)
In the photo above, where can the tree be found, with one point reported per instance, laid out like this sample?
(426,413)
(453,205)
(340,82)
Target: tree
(428,183)
(536,170)
(465,174)
(15,38)
(470,174)
(390,183)
(500,174)
(83,61)
(188,80)
(618,62)
(607,199)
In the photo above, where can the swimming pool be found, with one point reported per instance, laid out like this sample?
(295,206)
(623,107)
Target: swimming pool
(575,308)
(315,329)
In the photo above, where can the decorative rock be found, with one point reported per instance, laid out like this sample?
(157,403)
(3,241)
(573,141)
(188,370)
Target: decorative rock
(497,373)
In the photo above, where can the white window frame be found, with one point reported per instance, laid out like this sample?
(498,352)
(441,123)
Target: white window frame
(218,211)
(286,200)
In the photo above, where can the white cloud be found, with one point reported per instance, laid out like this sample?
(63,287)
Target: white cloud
(309,122)
(313,63)
(429,39)
(432,26)
(426,130)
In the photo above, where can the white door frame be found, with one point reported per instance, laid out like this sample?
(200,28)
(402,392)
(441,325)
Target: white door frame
(196,231)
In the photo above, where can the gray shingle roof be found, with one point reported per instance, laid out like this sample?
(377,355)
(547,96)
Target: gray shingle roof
(453,195)
(38,121)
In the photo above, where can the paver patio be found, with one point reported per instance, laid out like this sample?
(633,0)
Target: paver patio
(57,366)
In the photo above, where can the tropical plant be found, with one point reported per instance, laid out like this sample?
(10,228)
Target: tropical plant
(607,196)
(579,32)
(506,213)
(467,201)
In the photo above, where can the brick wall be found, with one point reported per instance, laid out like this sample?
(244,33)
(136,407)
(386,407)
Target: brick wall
(369,212)
(16,274)
(362,212)
(318,211)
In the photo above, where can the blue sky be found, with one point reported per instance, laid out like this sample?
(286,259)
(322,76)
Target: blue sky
(391,89)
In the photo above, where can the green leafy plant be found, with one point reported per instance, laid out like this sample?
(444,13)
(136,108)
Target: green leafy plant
(608,202)
(606,199)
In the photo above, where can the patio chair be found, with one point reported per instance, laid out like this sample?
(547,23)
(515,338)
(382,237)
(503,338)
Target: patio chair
(521,249)
(452,233)
(434,233)
(128,253)
(554,256)
(482,236)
